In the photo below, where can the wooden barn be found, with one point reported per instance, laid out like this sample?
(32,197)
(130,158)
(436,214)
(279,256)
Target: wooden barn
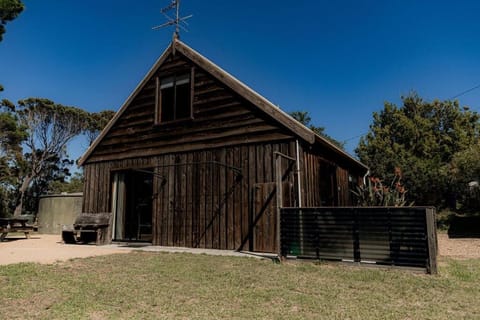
(193,157)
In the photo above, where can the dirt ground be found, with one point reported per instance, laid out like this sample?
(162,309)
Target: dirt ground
(458,248)
(47,249)
(50,249)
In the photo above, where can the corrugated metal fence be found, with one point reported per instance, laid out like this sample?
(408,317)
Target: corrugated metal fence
(396,236)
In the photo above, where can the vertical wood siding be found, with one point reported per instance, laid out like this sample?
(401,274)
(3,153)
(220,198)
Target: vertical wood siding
(196,202)
(220,118)
(312,164)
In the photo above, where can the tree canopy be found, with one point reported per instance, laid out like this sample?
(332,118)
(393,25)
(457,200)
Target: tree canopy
(9,10)
(96,122)
(33,141)
(422,138)
(304,118)
(49,126)
(34,134)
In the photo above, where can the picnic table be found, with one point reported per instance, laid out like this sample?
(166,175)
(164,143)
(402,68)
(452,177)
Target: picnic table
(15,224)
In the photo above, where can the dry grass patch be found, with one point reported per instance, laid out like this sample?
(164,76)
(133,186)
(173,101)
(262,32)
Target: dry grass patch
(162,285)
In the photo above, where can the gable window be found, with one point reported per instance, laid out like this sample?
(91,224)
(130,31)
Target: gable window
(173,99)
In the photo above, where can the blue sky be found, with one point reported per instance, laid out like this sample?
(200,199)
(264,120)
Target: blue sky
(339,60)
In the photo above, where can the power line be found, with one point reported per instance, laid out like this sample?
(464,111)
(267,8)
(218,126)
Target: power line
(357,136)
(454,97)
(465,92)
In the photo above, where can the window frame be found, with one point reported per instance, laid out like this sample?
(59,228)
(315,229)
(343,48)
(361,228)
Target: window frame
(158,96)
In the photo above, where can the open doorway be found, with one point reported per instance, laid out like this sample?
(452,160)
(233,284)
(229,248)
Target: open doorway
(132,205)
(328,185)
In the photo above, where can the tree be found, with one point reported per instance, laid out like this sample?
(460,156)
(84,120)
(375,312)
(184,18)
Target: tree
(56,171)
(49,127)
(304,118)
(96,122)
(74,184)
(9,10)
(422,139)
(11,137)
(464,172)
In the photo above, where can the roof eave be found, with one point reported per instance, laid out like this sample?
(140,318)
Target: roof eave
(340,151)
(246,92)
(124,106)
(236,85)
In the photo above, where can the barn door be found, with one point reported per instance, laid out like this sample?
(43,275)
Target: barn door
(328,185)
(265,215)
(132,205)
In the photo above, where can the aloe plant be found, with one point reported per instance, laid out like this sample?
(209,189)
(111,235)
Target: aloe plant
(373,193)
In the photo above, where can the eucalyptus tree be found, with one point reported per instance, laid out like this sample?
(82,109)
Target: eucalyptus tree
(304,118)
(11,137)
(9,10)
(95,123)
(49,127)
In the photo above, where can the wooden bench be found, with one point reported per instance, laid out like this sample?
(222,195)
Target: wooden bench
(15,224)
(88,227)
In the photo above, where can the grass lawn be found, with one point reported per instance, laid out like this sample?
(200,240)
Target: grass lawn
(185,286)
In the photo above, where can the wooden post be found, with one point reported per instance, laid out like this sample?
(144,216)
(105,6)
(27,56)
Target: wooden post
(431,240)
(278,179)
(279,193)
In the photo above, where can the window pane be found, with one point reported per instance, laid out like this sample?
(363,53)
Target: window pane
(183,101)
(184,78)
(168,101)
(166,83)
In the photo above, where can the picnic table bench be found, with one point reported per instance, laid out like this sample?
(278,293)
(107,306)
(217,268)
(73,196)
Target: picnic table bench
(15,224)
(88,227)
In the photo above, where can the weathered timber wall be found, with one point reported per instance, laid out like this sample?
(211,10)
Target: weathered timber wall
(220,118)
(193,205)
(198,203)
(325,178)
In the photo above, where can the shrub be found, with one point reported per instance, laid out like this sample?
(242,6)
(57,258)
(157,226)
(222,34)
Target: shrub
(373,193)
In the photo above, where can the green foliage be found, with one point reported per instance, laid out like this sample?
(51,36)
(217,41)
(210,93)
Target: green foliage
(96,122)
(12,134)
(74,184)
(9,10)
(304,118)
(49,127)
(422,138)
(375,194)
(11,137)
(56,170)
(34,135)
(464,172)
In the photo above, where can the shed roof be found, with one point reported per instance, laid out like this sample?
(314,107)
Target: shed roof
(237,86)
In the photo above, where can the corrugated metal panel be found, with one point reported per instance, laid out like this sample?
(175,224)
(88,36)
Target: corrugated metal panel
(388,236)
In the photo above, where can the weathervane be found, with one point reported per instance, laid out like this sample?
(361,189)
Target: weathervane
(177,20)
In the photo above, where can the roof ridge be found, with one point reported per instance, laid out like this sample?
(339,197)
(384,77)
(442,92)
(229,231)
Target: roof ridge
(241,83)
(295,126)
